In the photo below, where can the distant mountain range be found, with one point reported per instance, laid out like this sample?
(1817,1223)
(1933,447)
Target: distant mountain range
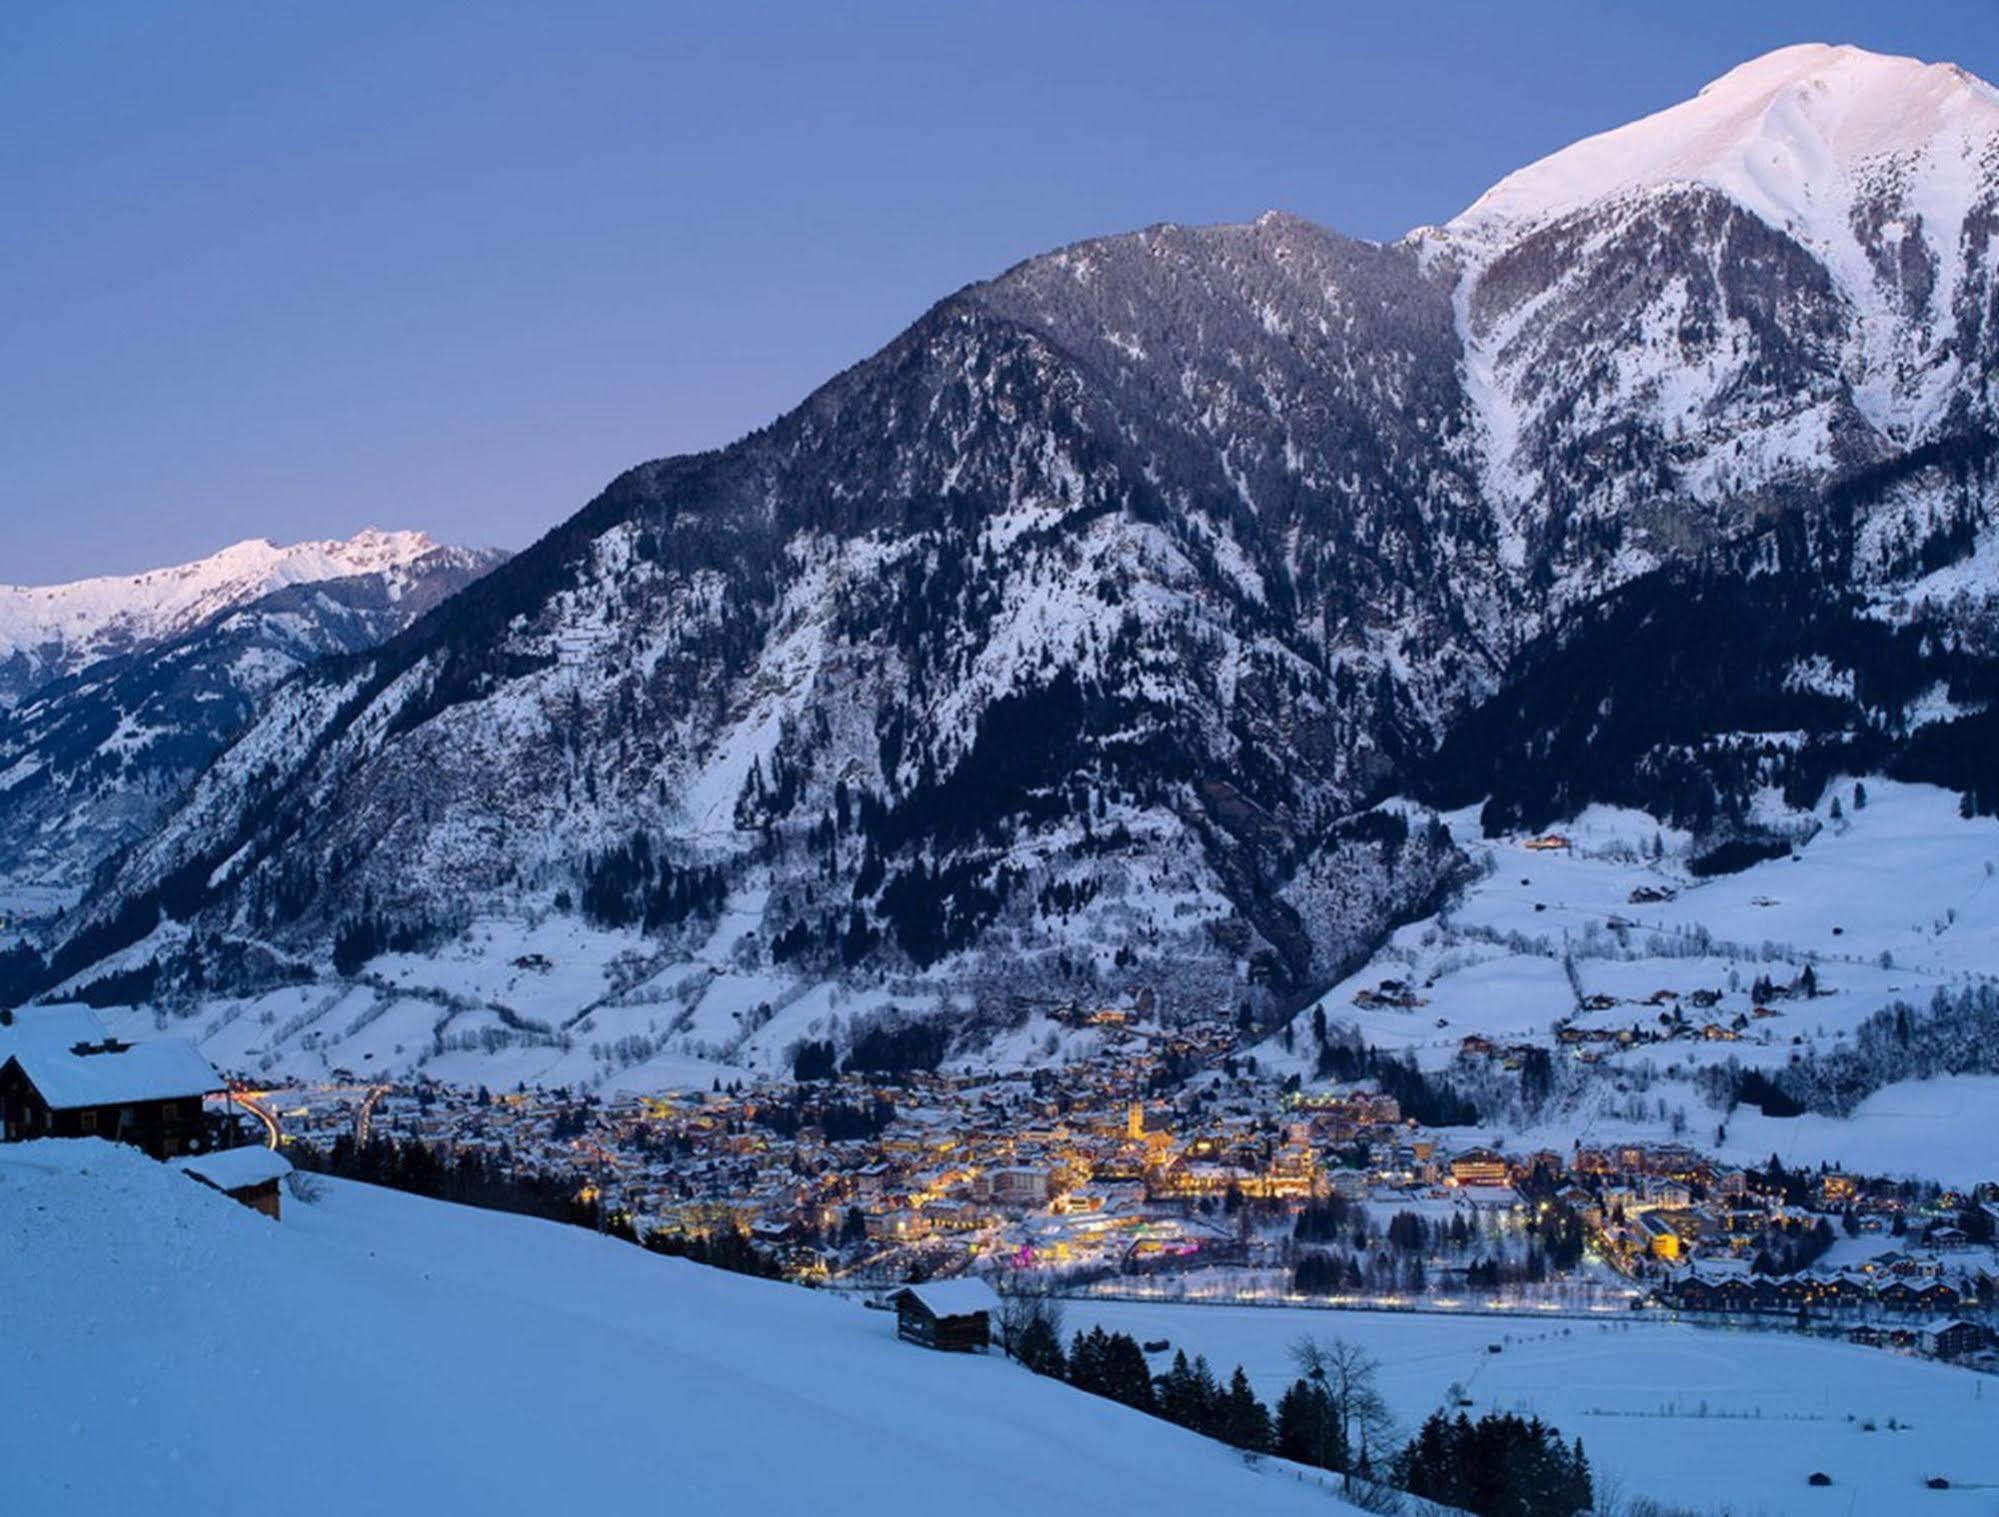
(47,631)
(1070,645)
(119,691)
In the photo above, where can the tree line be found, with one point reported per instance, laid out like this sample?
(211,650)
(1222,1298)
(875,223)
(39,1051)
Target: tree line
(1332,1417)
(469,1177)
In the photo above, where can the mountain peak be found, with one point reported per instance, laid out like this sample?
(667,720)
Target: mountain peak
(1785,135)
(54,625)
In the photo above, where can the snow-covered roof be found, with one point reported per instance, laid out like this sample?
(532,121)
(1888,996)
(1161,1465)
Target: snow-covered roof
(956,1298)
(50,1027)
(162,1070)
(236,1168)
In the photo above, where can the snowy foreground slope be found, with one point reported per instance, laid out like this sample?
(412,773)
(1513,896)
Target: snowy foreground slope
(167,1350)
(1711,1420)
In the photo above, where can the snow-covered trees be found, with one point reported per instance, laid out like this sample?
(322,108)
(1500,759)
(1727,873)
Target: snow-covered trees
(1957,1034)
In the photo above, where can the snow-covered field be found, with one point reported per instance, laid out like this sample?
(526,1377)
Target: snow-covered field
(542,998)
(1707,1418)
(167,1350)
(1904,876)
(1940,1129)
(1889,901)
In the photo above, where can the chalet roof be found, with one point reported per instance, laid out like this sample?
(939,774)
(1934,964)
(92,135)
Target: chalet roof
(954,1298)
(1951,1324)
(49,1027)
(166,1069)
(236,1168)
(1717,1269)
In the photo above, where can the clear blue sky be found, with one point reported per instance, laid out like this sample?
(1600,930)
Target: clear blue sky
(292,269)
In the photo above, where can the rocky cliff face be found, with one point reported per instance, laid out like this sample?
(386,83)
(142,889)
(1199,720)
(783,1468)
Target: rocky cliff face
(1068,644)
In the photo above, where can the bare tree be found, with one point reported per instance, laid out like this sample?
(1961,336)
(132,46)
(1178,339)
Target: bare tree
(1347,1374)
(1020,1308)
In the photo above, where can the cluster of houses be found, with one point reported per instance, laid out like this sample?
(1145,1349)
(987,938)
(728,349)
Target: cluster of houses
(1891,1302)
(63,1076)
(1898,1283)
(1075,1166)
(1111,1162)
(1073,1169)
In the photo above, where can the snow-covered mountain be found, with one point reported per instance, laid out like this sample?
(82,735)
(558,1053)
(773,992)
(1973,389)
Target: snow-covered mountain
(1067,646)
(90,757)
(47,631)
(1801,280)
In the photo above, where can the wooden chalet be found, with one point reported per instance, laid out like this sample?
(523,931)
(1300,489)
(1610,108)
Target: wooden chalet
(146,1094)
(954,1315)
(1954,1340)
(249,1175)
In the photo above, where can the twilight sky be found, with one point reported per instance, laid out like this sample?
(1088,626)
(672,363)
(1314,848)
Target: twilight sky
(291,270)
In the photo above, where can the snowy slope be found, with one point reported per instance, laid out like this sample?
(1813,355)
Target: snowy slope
(1792,135)
(378,1352)
(1891,902)
(47,630)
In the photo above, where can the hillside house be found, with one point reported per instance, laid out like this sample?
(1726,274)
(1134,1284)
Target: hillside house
(249,1175)
(956,1316)
(1954,1340)
(146,1094)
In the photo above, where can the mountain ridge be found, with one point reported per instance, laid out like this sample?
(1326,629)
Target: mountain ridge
(1071,644)
(90,757)
(50,630)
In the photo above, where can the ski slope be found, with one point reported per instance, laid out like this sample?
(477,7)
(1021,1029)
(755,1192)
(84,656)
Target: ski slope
(167,1350)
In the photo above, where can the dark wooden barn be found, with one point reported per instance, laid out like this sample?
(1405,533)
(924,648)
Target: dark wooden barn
(250,1174)
(954,1315)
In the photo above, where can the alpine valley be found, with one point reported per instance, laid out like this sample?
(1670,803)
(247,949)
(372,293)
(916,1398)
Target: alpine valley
(1159,623)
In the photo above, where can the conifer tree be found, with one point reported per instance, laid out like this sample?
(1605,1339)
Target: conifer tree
(1245,1420)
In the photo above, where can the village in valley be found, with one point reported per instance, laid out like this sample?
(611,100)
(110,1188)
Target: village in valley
(1165,1166)
(1232,1190)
